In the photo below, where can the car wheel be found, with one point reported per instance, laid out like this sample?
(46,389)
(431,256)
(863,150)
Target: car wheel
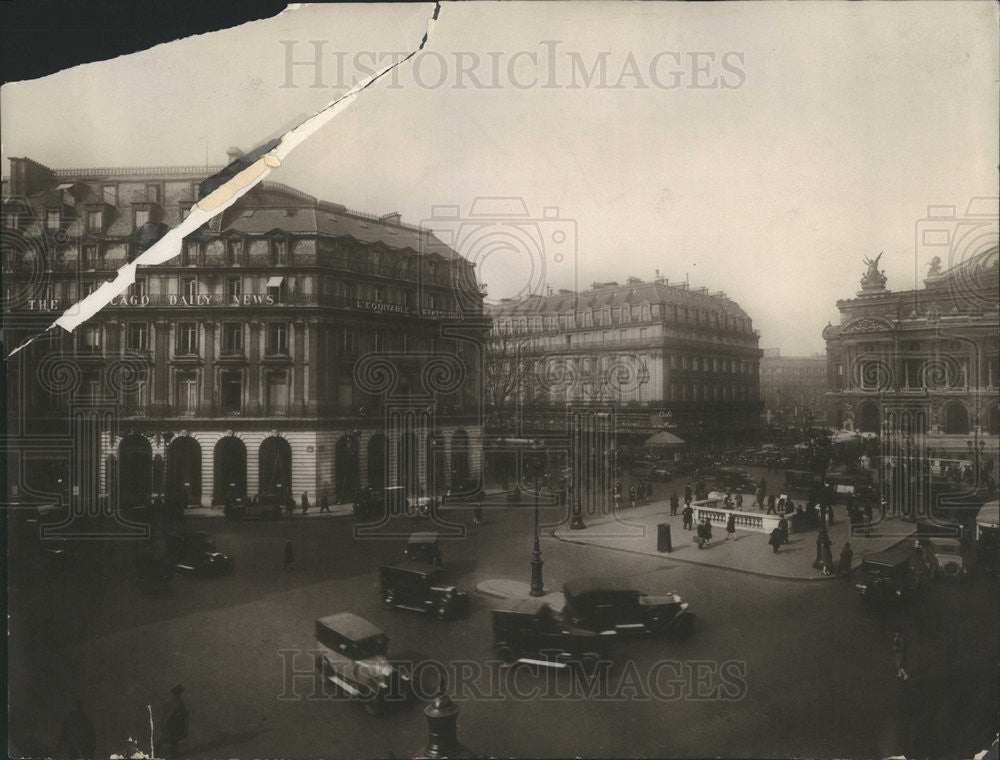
(684,625)
(951,570)
(389,598)
(506,654)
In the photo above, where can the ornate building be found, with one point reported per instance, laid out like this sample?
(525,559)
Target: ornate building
(921,363)
(293,345)
(793,389)
(665,356)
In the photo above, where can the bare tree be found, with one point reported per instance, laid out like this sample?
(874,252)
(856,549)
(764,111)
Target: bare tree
(505,368)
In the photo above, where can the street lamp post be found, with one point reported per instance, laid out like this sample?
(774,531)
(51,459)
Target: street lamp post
(536,554)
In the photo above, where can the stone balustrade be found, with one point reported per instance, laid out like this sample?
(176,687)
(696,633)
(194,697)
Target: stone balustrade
(758,522)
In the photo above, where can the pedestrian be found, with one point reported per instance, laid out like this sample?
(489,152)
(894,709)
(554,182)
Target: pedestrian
(899,655)
(822,514)
(687,494)
(673,503)
(305,502)
(731,526)
(174,724)
(478,514)
(289,554)
(846,556)
(783,529)
(771,503)
(649,489)
(77,735)
(324,503)
(822,540)
(688,515)
(775,539)
(739,501)
(759,497)
(704,533)
(828,567)
(883,506)
(829,514)
(631,495)
(869,518)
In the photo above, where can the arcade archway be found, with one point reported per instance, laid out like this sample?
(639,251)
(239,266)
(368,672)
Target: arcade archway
(275,466)
(184,468)
(230,458)
(868,419)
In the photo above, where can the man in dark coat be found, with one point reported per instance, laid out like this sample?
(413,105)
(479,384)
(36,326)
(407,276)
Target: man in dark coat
(688,515)
(771,503)
(174,724)
(77,735)
(775,539)
(324,503)
(783,530)
(289,555)
(674,503)
(687,494)
(305,502)
(846,558)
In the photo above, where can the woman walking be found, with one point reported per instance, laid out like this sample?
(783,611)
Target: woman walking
(899,654)
(730,527)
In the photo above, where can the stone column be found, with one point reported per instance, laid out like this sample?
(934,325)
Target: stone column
(161,369)
(298,355)
(253,368)
(312,400)
(208,381)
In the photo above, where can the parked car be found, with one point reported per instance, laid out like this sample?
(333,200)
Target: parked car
(950,559)
(721,478)
(421,589)
(423,546)
(379,502)
(895,573)
(611,606)
(196,553)
(352,656)
(266,507)
(529,631)
(665,471)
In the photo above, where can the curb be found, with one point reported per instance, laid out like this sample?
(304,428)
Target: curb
(759,574)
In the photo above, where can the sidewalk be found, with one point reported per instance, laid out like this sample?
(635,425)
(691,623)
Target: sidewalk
(634,530)
(336,510)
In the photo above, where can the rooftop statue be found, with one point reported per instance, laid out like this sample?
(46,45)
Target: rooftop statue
(873,279)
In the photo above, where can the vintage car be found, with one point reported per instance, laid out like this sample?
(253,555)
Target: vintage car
(423,589)
(721,479)
(266,507)
(527,630)
(611,606)
(664,471)
(379,502)
(801,480)
(944,543)
(895,573)
(196,553)
(423,546)
(352,656)
(843,486)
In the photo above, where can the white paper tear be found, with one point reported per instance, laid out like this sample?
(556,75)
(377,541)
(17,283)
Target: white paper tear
(219,200)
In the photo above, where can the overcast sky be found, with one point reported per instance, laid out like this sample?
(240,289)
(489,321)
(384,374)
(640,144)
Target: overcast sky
(760,149)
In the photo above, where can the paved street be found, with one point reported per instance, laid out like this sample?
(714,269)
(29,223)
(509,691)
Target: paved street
(817,666)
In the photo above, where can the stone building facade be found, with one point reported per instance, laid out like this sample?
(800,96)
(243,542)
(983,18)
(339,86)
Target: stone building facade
(793,389)
(293,346)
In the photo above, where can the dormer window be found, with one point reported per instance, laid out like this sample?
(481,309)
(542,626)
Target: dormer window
(153,193)
(110,194)
(279,252)
(233,252)
(141,217)
(53,218)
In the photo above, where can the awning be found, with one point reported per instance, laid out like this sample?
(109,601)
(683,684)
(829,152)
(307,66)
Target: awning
(275,282)
(663,438)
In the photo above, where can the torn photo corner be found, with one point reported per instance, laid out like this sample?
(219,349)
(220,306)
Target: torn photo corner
(221,191)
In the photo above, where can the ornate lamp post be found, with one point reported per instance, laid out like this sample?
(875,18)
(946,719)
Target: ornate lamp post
(442,730)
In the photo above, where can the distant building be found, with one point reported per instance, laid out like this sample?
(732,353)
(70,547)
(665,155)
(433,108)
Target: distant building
(793,389)
(921,364)
(284,350)
(665,356)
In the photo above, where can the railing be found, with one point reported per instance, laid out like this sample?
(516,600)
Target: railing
(754,521)
(117,170)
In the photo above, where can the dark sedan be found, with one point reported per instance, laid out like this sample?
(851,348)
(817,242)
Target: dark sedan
(196,553)
(612,606)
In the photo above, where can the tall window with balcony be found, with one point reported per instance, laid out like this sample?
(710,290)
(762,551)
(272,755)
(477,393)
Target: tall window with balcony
(277,339)
(189,289)
(137,337)
(110,194)
(231,391)
(277,393)
(141,217)
(95,221)
(135,396)
(187,339)
(187,393)
(232,339)
(279,252)
(234,290)
(90,338)
(89,256)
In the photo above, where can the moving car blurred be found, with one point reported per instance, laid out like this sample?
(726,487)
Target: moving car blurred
(611,606)
(527,630)
(352,656)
